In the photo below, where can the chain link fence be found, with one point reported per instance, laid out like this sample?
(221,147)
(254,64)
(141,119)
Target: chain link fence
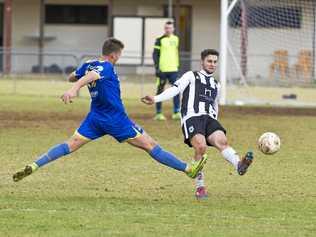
(28,77)
(268,88)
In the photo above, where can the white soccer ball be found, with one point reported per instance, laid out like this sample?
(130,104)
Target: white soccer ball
(269,143)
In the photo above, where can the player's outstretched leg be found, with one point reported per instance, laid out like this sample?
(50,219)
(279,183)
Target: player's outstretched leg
(164,157)
(52,154)
(200,191)
(219,140)
(240,165)
(198,142)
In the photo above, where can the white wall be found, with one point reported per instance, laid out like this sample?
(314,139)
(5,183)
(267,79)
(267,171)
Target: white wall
(205,27)
(78,38)
(74,39)
(205,18)
(90,2)
(25,23)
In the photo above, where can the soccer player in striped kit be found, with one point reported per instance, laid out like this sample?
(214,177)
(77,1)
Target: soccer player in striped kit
(199,114)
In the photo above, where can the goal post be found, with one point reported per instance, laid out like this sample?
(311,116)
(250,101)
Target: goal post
(223,51)
(267,52)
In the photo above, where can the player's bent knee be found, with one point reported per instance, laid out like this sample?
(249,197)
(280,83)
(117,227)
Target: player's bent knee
(153,143)
(149,142)
(221,143)
(73,146)
(150,145)
(144,142)
(200,148)
(75,143)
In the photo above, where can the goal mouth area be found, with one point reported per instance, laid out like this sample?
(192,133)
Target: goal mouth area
(269,52)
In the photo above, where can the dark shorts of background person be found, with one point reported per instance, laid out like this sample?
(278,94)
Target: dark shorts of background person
(162,80)
(204,125)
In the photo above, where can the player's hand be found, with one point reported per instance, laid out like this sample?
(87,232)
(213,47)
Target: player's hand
(148,99)
(67,97)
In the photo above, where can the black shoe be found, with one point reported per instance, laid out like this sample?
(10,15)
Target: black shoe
(23,173)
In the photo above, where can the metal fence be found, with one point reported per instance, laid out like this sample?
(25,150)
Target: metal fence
(262,85)
(28,76)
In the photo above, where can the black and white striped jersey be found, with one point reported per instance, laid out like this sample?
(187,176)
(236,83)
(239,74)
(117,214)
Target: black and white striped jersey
(200,94)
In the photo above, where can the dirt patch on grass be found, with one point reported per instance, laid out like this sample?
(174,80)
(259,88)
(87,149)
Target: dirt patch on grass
(271,111)
(53,119)
(13,119)
(39,116)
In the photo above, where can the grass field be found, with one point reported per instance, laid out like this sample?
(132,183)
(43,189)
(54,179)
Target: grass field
(134,86)
(111,189)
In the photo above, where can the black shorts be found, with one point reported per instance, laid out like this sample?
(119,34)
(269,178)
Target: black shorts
(204,125)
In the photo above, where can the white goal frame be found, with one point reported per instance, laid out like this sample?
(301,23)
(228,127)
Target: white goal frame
(224,46)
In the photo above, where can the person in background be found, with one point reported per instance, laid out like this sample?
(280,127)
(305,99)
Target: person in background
(166,61)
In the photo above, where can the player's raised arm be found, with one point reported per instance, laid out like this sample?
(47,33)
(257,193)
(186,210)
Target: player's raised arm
(73,91)
(166,95)
(178,87)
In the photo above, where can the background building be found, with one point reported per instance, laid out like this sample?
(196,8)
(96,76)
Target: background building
(79,26)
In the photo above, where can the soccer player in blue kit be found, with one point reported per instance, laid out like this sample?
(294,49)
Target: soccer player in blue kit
(107,116)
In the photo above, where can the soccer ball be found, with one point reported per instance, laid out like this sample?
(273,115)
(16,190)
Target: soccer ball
(269,143)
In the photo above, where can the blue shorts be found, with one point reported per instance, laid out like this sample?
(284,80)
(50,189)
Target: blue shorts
(93,127)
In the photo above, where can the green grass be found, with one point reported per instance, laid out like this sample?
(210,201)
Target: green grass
(42,86)
(133,87)
(111,189)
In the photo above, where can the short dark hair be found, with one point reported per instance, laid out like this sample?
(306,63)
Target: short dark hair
(169,23)
(207,52)
(111,45)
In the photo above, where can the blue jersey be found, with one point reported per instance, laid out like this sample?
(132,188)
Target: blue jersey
(107,115)
(105,92)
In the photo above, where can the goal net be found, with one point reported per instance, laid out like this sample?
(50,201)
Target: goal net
(270,47)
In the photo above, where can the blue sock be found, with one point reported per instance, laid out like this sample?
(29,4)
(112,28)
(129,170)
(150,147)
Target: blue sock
(167,158)
(53,154)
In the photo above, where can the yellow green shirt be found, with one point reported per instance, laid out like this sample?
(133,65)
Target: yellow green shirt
(167,51)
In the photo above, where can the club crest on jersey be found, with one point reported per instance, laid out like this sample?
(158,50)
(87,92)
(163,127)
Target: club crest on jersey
(191,129)
(100,68)
(92,84)
(208,92)
(93,94)
(97,69)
